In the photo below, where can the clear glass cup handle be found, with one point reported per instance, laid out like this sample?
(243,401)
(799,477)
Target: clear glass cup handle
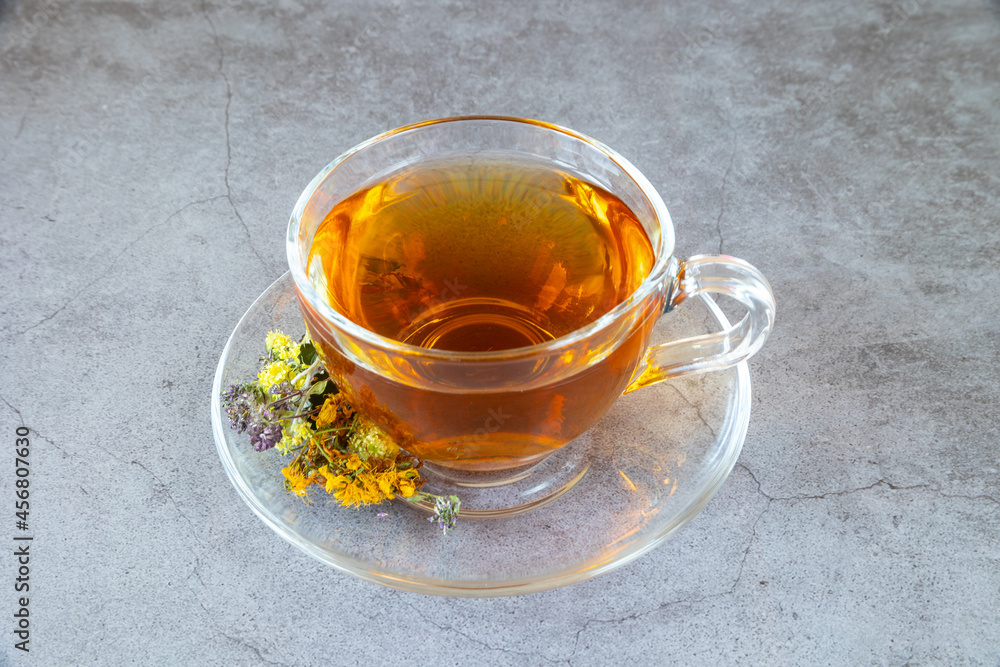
(718,274)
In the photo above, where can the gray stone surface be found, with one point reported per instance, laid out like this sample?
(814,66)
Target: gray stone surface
(150,154)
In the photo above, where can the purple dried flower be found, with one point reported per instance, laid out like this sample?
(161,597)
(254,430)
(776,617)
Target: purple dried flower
(240,403)
(282,388)
(446,512)
(266,437)
(285,392)
(248,413)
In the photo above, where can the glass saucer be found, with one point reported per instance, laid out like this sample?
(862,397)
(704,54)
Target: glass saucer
(652,463)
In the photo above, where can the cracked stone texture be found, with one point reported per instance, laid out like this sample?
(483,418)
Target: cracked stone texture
(151,155)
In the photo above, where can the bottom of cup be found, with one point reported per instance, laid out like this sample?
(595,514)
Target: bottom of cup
(500,493)
(476,470)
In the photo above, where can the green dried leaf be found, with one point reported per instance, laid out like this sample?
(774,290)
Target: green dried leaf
(307,354)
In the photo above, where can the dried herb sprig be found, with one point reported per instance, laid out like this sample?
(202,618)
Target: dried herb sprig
(293,406)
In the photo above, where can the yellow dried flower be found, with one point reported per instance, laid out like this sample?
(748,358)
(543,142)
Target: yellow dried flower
(407,486)
(299,432)
(353,462)
(296,481)
(281,346)
(363,490)
(349,496)
(369,441)
(274,373)
(366,480)
(387,483)
(302,430)
(328,412)
(275,340)
(333,481)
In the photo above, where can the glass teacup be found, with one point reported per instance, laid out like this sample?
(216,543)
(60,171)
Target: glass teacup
(503,409)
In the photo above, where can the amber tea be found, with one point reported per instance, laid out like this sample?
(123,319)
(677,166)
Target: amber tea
(481,255)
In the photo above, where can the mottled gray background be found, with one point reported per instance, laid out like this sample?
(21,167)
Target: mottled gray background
(151,155)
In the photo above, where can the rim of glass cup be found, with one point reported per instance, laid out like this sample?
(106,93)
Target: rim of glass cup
(653,282)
